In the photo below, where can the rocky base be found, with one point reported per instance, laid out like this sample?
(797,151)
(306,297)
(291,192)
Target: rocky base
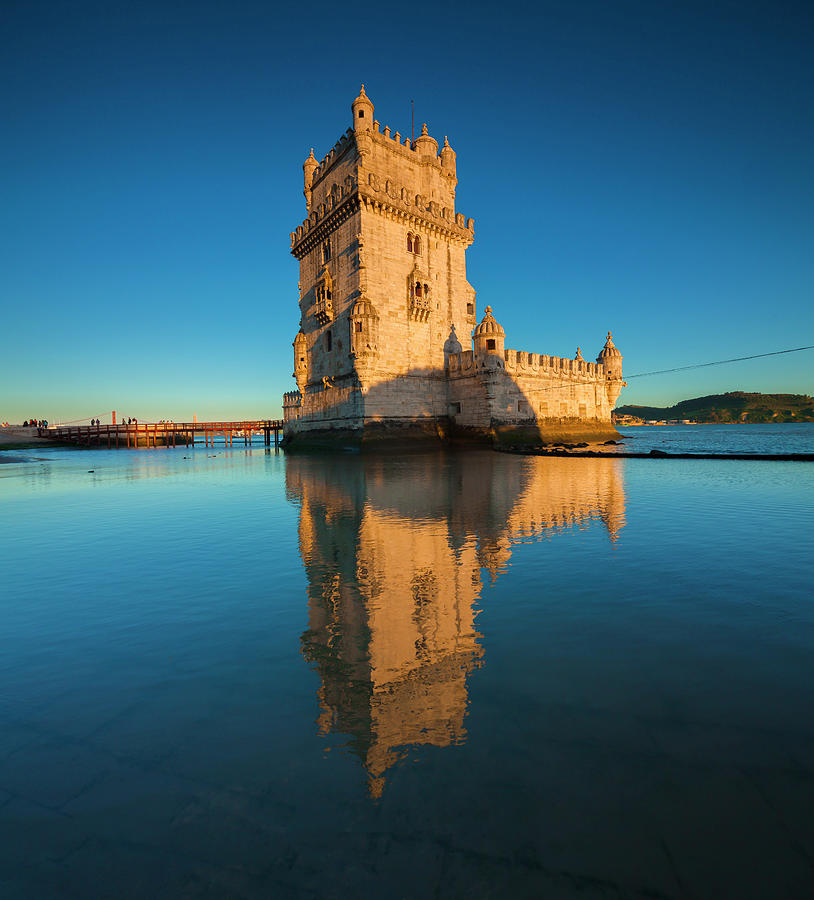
(417,435)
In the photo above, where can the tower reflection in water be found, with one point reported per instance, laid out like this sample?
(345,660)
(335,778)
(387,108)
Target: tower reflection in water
(395,549)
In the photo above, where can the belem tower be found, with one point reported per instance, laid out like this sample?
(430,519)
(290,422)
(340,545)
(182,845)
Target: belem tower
(385,307)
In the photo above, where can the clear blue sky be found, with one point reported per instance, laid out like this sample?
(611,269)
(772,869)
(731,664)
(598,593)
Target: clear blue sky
(646,167)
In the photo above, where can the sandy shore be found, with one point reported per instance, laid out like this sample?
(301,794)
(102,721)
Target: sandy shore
(19,438)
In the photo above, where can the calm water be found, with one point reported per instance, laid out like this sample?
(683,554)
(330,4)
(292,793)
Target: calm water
(781,438)
(236,674)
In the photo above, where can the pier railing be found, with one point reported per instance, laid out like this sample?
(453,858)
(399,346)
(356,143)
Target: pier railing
(165,434)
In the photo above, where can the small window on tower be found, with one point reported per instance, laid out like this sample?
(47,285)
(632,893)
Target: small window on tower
(470,309)
(361,114)
(418,289)
(417,244)
(409,243)
(326,251)
(358,326)
(426,291)
(490,344)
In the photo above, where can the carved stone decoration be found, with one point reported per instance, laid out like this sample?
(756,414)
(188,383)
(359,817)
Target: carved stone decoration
(364,329)
(323,308)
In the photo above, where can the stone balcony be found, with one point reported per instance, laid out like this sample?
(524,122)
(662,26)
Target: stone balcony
(323,311)
(420,309)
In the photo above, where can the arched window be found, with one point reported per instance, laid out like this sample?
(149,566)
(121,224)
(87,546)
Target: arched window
(426,291)
(417,244)
(418,289)
(409,243)
(361,114)
(326,251)
(412,292)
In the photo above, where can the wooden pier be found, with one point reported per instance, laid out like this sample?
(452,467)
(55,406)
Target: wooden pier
(165,434)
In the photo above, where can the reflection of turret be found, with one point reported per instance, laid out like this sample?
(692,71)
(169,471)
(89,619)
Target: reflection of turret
(393,553)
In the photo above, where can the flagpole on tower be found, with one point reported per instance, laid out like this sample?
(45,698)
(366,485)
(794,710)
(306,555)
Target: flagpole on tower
(412,125)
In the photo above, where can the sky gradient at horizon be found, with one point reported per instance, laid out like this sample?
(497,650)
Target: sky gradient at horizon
(644,168)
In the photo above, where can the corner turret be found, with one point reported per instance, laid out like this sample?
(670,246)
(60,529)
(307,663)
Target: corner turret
(489,339)
(448,160)
(611,359)
(308,169)
(364,329)
(362,110)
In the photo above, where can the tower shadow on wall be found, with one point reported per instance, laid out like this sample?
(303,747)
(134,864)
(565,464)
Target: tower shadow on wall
(395,552)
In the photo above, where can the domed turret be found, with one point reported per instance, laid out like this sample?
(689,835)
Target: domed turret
(362,112)
(426,145)
(611,359)
(448,163)
(308,168)
(363,308)
(488,336)
(489,325)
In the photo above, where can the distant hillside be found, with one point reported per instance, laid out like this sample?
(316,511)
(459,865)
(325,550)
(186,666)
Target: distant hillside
(734,407)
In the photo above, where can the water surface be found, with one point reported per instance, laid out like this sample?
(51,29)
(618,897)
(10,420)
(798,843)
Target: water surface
(232,673)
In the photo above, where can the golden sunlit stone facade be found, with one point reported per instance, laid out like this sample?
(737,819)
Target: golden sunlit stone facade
(394,556)
(384,297)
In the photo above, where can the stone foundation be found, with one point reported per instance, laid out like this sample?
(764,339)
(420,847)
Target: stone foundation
(430,434)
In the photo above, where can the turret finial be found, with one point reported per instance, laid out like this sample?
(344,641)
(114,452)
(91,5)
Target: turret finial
(424,129)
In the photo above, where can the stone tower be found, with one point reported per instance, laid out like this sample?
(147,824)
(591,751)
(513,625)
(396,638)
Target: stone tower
(382,275)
